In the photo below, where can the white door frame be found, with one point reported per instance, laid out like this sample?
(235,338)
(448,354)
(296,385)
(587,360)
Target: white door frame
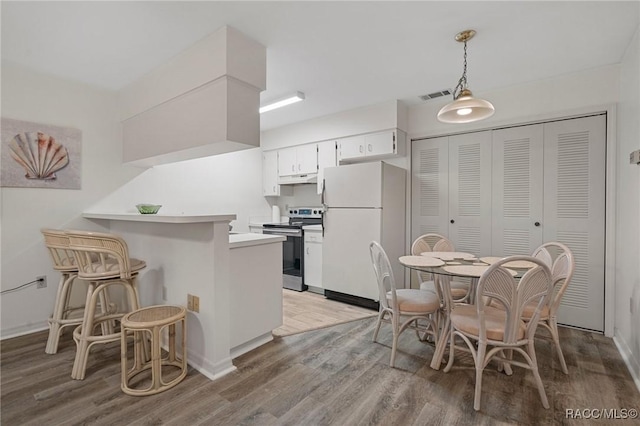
(610,188)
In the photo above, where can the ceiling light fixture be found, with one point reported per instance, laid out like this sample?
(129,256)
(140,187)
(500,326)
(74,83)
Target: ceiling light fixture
(279,103)
(465,108)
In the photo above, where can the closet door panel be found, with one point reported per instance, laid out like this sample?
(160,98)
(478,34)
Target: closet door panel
(470,192)
(430,187)
(517,190)
(574,212)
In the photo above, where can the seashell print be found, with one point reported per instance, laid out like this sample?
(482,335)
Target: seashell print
(39,154)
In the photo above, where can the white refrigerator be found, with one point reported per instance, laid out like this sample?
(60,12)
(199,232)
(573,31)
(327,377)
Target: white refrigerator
(364,202)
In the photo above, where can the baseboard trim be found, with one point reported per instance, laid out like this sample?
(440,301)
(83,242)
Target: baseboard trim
(627,356)
(23,330)
(209,370)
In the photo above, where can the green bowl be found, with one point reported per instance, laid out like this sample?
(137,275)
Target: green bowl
(148,208)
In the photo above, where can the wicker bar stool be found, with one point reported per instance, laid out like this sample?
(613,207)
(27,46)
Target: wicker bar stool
(64,262)
(103,261)
(158,324)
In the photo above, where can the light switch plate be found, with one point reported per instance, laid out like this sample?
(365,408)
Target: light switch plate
(634,157)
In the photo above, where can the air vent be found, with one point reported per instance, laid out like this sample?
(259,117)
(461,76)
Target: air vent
(434,95)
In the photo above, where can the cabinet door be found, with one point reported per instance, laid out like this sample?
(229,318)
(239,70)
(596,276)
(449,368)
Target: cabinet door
(517,190)
(383,143)
(307,159)
(312,261)
(351,148)
(430,187)
(270,173)
(574,212)
(470,192)
(326,158)
(287,161)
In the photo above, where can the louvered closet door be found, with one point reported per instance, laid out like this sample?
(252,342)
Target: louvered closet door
(574,193)
(470,192)
(430,187)
(517,190)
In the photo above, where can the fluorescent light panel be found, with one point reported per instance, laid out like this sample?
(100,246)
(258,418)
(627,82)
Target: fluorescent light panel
(291,99)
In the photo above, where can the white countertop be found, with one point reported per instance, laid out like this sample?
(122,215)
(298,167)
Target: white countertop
(249,239)
(161,218)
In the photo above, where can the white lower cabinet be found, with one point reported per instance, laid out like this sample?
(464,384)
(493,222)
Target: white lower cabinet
(313,259)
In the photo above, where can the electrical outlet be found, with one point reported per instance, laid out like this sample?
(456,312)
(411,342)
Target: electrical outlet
(42,281)
(196,304)
(189,302)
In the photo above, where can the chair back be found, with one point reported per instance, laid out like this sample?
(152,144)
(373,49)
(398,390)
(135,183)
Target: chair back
(562,268)
(431,242)
(62,256)
(100,255)
(497,283)
(384,275)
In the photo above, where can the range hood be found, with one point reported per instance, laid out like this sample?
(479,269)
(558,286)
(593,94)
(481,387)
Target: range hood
(298,179)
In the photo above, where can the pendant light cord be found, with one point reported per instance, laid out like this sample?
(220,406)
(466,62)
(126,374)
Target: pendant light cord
(462,83)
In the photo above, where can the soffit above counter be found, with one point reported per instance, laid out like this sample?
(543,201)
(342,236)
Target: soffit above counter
(202,102)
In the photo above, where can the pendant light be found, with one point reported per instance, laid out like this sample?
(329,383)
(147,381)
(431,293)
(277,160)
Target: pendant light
(465,108)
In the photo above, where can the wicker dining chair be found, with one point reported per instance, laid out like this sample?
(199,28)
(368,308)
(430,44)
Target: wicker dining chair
(403,308)
(436,242)
(489,332)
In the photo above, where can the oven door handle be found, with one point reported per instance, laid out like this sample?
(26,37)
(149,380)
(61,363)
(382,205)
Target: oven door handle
(294,232)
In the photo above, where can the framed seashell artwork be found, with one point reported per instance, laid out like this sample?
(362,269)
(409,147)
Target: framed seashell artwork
(39,155)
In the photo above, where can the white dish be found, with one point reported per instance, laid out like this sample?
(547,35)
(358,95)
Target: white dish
(449,255)
(420,261)
(518,264)
(471,270)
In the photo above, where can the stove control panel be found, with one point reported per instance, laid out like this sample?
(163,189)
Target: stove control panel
(306,212)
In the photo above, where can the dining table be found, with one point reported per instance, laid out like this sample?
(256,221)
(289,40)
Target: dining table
(444,267)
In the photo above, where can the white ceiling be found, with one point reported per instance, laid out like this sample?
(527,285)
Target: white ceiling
(342,55)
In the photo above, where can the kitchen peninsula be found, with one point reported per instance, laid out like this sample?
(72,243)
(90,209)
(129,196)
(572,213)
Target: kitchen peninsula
(237,277)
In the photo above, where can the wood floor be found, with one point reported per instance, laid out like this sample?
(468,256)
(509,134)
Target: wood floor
(305,311)
(330,376)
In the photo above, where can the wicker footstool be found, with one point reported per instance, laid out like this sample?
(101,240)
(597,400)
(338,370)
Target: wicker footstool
(149,324)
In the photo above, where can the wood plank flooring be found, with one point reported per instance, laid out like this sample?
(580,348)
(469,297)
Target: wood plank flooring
(305,311)
(330,376)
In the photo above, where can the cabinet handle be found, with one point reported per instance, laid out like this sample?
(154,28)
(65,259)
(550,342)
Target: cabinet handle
(307,250)
(293,167)
(361,148)
(369,148)
(298,167)
(452,221)
(274,188)
(537,224)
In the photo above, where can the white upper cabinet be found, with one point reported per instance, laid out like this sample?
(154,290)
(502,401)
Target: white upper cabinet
(326,158)
(298,160)
(270,185)
(372,146)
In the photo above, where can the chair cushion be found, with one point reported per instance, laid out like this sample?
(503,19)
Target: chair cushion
(528,311)
(458,289)
(415,301)
(465,319)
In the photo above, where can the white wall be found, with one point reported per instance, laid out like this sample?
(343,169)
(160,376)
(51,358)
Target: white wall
(223,184)
(372,118)
(627,323)
(30,96)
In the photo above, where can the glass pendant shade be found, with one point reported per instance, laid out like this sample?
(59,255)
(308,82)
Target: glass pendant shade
(466,109)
